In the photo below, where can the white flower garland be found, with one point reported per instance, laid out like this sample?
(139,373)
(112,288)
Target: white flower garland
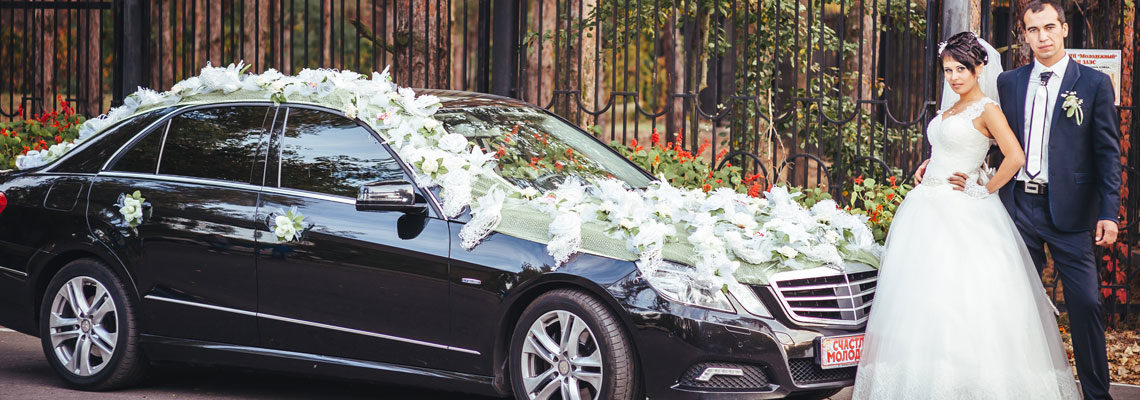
(724,227)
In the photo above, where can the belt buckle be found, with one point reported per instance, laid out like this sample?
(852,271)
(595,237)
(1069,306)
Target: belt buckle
(1033,188)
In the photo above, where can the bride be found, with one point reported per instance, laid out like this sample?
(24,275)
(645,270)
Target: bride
(960,312)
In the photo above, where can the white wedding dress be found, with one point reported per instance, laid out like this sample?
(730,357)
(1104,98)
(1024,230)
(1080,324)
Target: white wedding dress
(959,310)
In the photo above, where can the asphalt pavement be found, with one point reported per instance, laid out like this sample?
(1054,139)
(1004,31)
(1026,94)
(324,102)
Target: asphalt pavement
(25,374)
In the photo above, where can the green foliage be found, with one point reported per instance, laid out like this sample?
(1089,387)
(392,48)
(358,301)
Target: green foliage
(39,132)
(877,200)
(682,168)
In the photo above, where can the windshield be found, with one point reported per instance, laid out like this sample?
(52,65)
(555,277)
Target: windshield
(536,150)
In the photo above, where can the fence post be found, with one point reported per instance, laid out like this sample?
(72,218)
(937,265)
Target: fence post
(130,59)
(504,62)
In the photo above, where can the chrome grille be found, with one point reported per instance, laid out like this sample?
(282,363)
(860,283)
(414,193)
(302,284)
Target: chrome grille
(827,295)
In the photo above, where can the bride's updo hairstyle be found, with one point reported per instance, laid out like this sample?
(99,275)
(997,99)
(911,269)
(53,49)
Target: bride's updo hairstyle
(964,48)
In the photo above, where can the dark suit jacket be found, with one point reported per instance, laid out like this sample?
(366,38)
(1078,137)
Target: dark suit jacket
(1084,160)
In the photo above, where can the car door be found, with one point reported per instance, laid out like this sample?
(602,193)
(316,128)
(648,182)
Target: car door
(368,285)
(192,255)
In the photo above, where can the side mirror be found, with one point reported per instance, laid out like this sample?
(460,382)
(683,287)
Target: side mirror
(394,195)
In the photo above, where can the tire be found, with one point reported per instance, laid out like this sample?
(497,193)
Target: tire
(77,335)
(600,364)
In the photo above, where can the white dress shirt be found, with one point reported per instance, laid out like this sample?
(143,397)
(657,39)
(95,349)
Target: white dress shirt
(1054,89)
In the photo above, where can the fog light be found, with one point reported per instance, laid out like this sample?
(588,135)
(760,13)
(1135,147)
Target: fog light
(724,376)
(710,372)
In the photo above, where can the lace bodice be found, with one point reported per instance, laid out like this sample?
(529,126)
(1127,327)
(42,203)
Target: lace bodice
(956,145)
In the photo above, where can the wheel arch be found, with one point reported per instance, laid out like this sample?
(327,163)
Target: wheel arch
(45,265)
(526,296)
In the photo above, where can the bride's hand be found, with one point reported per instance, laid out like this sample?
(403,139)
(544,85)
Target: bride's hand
(920,172)
(958,180)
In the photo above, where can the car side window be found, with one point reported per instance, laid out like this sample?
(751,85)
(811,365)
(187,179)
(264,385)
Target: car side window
(143,155)
(90,156)
(215,143)
(326,153)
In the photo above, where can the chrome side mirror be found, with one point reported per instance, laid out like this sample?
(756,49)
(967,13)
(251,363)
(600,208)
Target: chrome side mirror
(393,195)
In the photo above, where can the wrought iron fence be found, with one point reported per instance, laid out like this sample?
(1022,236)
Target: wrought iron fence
(808,92)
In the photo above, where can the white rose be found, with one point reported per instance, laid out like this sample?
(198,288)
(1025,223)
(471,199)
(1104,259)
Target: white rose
(429,166)
(284,227)
(831,237)
(431,124)
(743,220)
(350,110)
(452,142)
(131,209)
(788,252)
(529,193)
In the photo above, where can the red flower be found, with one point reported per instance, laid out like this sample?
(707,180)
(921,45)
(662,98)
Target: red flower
(754,190)
(890,196)
(706,187)
(58,139)
(654,138)
(569,153)
(859,180)
(891,180)
(558,165)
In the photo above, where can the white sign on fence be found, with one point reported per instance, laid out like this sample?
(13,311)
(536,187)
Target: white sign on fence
(1107,61)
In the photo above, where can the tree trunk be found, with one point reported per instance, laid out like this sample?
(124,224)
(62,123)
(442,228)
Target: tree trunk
(326,34)
(255,21)
(421,46)
(537,79)
(91,65)
(214,31)
(44,82)
(591,69)
(675,75)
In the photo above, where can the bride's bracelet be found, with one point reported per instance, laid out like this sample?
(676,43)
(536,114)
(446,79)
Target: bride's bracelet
(976,191)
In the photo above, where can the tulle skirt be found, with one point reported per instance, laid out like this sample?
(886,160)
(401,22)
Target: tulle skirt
(959,310)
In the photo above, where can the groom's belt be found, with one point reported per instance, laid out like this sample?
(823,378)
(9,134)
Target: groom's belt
(1032,187)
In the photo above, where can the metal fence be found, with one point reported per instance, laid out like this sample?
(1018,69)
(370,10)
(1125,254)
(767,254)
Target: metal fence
(808,92)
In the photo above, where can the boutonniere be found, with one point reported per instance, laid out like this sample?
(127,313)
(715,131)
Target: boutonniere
(1072,106)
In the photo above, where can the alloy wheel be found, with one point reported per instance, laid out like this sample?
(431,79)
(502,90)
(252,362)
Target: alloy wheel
(561,359)
(83,326)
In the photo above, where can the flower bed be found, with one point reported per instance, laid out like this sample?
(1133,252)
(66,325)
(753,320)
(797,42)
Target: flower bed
(45,132)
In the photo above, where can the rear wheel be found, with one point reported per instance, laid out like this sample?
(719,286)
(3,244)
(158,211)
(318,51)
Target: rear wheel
(88,329)
(569,346)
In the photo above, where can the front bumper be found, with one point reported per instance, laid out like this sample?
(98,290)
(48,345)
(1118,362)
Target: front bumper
(676,343)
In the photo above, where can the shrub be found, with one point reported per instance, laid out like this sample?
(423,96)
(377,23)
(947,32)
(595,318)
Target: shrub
(39,132)
(683,168)
(878,201)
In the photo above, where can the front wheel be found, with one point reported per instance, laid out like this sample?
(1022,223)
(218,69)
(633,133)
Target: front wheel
(88,329)
(569,346)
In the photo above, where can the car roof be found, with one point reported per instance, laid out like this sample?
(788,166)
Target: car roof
(459,99)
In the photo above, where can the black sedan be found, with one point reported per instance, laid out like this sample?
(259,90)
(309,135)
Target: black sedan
(375,284)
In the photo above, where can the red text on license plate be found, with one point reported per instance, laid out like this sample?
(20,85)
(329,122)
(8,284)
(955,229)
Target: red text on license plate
(840,351)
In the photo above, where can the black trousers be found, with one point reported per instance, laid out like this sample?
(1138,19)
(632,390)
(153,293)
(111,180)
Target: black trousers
(1074,260)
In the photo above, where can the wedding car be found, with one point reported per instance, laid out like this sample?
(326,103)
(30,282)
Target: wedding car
(294,237)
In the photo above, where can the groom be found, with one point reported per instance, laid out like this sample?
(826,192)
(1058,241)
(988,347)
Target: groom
(1068,193)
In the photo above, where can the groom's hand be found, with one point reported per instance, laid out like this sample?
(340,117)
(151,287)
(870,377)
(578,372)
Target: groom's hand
(1105,232)
(958,180)
(920,172)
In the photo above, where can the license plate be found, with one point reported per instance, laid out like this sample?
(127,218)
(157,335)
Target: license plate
(839,351)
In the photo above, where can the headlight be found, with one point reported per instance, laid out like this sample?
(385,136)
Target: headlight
(676,282)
